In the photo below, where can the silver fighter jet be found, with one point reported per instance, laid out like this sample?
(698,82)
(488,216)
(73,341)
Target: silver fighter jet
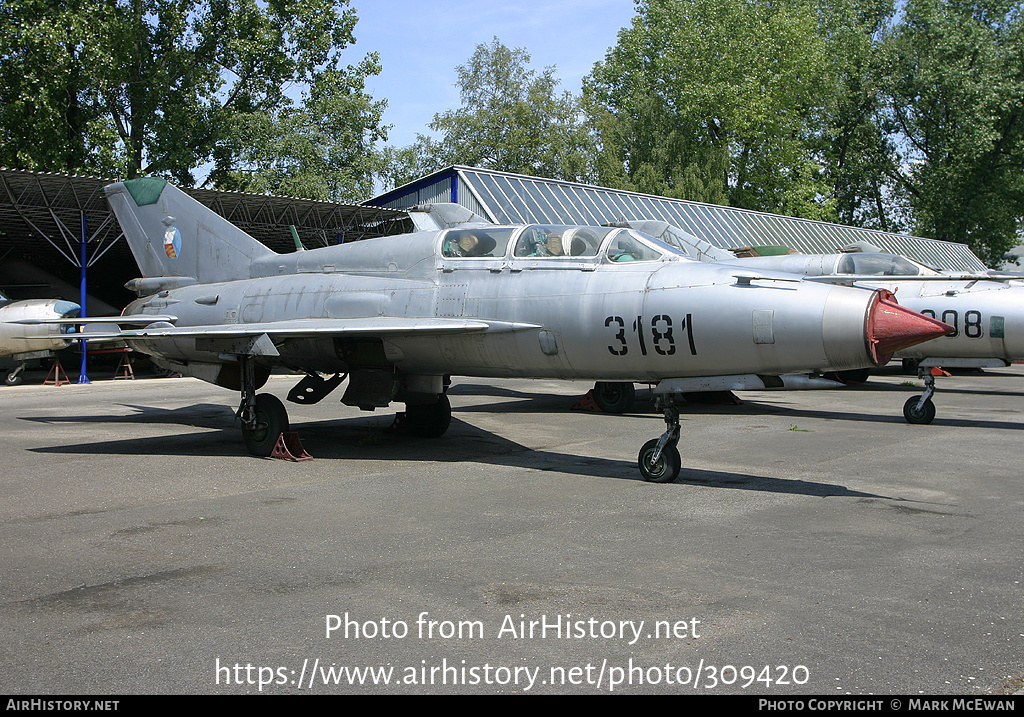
(399,315)
(39,341)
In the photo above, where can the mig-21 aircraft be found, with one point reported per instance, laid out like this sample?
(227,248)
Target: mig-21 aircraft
(399,315)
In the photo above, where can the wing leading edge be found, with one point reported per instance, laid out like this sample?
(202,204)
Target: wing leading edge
(163,328)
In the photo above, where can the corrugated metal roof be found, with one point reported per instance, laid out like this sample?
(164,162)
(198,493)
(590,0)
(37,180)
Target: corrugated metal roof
(514,198)
(36,204)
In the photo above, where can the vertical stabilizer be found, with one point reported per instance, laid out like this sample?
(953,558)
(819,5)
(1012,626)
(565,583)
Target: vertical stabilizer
(171,234)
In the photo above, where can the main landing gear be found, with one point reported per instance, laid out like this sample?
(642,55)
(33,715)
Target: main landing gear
(270,420)
(16,376)
(264,418)
(659,459)
(614,396)
(427,420)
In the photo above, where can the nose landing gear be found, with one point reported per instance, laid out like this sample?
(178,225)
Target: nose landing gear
(659,459)
(920,410)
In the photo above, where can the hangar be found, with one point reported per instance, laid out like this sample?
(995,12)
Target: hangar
(502,198)
(57,233)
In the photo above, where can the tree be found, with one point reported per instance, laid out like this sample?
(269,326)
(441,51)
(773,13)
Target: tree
(130,87)
(47,121)
(324,149)
(512,119)
(952,84)
(856,144)
(401,165)
(716,100)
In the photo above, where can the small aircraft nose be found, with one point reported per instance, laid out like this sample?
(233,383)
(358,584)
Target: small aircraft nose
(892,327)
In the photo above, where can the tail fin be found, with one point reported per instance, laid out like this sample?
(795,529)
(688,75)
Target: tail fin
(171,234)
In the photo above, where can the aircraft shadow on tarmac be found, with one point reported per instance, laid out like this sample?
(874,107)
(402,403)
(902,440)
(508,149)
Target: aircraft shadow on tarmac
(756,408)
(200,415)
(644,407)
(483,389)
(945,388)
(944,385)
(524,401)
(355,439)
(751,407)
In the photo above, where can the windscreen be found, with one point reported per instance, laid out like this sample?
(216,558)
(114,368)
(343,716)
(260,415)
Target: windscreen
(877,265)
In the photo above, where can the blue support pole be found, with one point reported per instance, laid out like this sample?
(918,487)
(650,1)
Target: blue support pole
(82,377)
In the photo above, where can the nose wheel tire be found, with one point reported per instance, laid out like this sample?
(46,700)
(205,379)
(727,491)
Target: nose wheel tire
(271,422)
(663,470)
(919,416)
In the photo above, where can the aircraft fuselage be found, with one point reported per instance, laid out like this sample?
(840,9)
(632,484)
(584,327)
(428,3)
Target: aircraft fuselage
(19,340)
(558,317)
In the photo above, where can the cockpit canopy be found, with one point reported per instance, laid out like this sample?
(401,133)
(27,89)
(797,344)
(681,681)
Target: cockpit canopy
(544,241)
(871,264)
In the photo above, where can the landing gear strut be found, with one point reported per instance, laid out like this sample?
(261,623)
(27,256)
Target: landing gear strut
(659,459)
(15,377)
(263,417)
(920,409)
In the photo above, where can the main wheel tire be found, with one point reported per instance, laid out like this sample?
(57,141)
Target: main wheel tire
(271,422)
(921,416)
(859,375)
(665,470)
(429,420)
(614,397)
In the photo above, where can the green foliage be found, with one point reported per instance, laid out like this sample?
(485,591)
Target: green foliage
(716,100)
(45,122)
(321,150)
(855,146)
(130,87)
(952,81)
(401,165)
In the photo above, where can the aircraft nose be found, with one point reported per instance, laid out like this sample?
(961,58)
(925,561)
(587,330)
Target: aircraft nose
(891,327)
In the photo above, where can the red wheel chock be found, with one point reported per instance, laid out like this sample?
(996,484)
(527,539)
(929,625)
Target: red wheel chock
(289,448)
(587,403)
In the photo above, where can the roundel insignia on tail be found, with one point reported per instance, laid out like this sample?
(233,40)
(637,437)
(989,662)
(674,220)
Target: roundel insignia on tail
(172,242)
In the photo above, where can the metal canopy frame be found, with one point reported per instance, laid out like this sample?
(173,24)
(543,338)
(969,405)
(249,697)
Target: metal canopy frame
(54,208)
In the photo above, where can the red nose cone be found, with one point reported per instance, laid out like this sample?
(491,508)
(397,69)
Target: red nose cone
(892,327)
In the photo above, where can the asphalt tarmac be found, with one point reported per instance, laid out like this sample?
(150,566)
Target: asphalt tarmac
(815,544)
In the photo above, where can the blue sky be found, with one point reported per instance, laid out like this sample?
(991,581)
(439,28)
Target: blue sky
(420,42)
